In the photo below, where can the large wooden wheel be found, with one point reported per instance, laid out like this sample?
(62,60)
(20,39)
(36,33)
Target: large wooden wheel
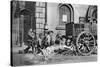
(85,43)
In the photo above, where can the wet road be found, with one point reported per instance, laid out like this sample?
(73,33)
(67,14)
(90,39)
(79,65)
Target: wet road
(30,59)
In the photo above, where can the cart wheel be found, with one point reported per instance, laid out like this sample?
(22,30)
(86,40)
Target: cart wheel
(85,43)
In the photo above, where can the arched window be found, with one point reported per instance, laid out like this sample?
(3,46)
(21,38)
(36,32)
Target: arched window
(66,14)
(91,13)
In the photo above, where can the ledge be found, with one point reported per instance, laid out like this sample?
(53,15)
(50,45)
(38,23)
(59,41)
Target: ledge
(60,27)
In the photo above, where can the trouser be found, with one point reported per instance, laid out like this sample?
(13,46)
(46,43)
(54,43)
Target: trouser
(38,50)
(45,45)
(30,45)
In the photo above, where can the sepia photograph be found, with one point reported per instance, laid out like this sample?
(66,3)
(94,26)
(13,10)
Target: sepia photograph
(45,33)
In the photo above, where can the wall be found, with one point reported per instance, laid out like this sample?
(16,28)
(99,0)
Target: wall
(53,14)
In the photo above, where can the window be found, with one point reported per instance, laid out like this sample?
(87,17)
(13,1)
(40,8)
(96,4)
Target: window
(64,14)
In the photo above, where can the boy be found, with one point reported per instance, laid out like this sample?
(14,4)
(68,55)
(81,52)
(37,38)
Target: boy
(31,42)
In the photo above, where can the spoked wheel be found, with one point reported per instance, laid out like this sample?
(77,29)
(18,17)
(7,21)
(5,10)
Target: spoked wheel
(85,43)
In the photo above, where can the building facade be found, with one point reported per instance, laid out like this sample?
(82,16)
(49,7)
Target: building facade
(41,16)
(61,14)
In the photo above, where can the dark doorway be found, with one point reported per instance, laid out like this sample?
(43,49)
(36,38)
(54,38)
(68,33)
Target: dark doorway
(24,26)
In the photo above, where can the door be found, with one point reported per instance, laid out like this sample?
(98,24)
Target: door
(27,26)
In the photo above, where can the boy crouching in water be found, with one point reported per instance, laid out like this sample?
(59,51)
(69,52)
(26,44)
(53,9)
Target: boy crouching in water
(45,44)
(30,43)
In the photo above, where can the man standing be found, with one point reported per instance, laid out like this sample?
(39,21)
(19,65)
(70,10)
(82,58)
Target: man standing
(51,38)
(48,38)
